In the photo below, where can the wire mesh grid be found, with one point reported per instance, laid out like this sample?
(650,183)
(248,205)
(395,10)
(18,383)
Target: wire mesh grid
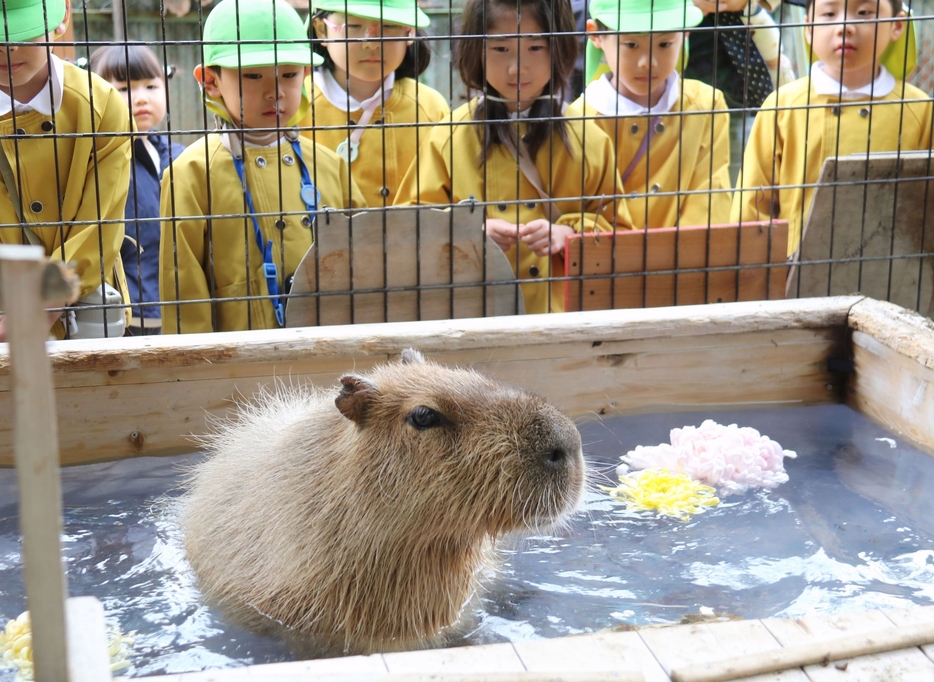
(459,159)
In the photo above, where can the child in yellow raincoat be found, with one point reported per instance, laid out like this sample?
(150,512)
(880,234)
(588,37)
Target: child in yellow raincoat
(252,166)
(366,96)
(67,181)
(850,104)
(541,176)
(672,134)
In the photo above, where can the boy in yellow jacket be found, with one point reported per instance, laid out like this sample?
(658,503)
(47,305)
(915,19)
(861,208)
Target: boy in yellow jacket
(850,104)
(66,186)
(270,178)
(671,134)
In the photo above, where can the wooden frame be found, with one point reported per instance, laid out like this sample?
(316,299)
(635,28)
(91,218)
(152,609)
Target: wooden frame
(632,256)
(130,396)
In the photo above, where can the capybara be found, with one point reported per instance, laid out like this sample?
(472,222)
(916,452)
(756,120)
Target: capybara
(362,518)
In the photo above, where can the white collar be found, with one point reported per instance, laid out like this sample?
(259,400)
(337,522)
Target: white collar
(825,84)
(602,96)
(335,94)
(42,102)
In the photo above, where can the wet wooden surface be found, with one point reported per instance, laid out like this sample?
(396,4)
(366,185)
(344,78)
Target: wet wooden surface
(652,652)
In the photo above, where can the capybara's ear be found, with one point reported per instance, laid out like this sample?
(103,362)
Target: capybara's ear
(410,356)
(355,398)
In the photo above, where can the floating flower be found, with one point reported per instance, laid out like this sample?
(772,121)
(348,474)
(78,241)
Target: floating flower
(730,458)
(665,492)
(16,648)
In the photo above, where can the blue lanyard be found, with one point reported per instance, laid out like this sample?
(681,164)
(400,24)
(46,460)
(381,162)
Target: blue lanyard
(310,196)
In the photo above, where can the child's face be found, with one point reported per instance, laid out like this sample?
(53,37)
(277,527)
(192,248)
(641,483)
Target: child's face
(146,99)
(267,101)
(369,61)
(640,63)
(517,68)
(28,65)
(845,38)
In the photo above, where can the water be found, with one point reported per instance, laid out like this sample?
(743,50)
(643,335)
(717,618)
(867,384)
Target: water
(853,529)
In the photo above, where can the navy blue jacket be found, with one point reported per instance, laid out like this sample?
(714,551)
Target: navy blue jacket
(142,224)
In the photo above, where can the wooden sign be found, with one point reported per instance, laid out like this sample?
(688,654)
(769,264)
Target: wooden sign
(672,266)
(858,201)
(402,265)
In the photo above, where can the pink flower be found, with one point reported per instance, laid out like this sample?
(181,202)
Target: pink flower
(730,458)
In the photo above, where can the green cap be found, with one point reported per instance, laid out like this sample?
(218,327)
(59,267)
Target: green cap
(30,19)
(405,12)
(640,16)
(274,22)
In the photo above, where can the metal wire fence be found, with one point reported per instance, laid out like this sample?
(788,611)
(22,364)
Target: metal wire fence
(354,196)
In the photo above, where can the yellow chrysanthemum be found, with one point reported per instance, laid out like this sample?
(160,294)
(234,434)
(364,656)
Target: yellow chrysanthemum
(662,491)
(16,648)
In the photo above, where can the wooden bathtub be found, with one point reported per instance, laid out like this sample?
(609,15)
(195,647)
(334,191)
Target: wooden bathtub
(145,396)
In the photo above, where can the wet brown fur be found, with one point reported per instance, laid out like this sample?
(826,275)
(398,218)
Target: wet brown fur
(337,518)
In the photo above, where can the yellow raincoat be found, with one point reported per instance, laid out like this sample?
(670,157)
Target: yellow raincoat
(450,170)
(212,259)
(796,129)
(401,143)
(661,170)
(86,176)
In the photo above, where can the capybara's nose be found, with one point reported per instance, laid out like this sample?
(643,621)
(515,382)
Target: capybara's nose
(556,458)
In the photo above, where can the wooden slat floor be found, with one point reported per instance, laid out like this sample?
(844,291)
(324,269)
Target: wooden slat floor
(656,651)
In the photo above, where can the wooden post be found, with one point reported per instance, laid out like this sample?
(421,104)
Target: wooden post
(35,443)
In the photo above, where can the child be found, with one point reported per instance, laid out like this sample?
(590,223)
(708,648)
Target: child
(850,104)
(136,72)
(274,179)
(367,90)
(475,152)
(59,172)
(660,152)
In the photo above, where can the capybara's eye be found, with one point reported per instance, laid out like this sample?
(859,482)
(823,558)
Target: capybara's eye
(424,418)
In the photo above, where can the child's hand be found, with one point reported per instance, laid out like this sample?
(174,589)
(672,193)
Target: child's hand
(544,238)
(502,232)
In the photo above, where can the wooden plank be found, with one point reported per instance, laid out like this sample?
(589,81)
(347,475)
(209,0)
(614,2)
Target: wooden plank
(852,221)
(126,397)
(88,659)
(36,452)
(488,658)
(893,381)
(621,651)
(913,616)
(672,249)
(904,664)
(408,260)
(675,647)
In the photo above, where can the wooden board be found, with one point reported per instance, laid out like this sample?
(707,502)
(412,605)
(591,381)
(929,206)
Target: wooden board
(669,250)
(893,381)
(401,265)
(652,652)
(147,395)
(854,221)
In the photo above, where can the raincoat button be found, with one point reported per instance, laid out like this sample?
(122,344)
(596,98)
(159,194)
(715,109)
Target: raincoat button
(502,208)
(634,129)
(280,224)
(835,111)
(20,131)
(659,127)
(288,160)
(654,188)
(533,271)
(384,192)
(864,112)
(47,126)
(36,207)
(306,221)
(260,161)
